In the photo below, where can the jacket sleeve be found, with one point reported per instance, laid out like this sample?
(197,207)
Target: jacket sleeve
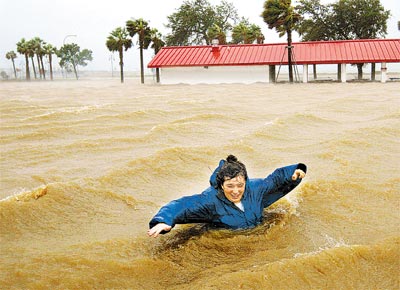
(280,183)
(213,177)
(188,209)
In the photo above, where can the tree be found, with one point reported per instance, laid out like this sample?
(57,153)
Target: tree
(4,75)
(142,29)
(156,43)
(241,33)
(37,45)
(246,33)
(83,57)
(343,20)
(317,20)
(31,54)
(23,48)
(226,15)
(118,40)
(71,55)
(67,54)
(49,50)
(216,32)
(315,24)
(12,55)
(281,15)
(195,19)
(360,19)
(258,34)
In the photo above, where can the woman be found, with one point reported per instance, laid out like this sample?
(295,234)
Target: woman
(232,201)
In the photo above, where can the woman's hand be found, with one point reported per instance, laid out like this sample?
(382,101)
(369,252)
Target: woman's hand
(298,173)
(157,229)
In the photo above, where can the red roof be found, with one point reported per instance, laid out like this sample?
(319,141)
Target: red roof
(313,52)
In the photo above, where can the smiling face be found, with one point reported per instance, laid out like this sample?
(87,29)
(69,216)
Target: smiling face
(234,188)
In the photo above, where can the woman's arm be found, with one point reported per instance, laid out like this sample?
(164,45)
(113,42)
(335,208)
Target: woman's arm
(188,209)
(282,181)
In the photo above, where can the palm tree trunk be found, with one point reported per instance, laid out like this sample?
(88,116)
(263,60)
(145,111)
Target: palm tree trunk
(27,72)
(40,69)
(51,67)
(141,64)
(15,72)
(289,41)
(41,61)
(121,63)
(34,69)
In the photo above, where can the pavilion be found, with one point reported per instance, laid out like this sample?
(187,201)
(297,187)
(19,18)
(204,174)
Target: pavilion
(249,63)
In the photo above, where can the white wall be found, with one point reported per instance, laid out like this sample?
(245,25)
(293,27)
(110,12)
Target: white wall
(214,74)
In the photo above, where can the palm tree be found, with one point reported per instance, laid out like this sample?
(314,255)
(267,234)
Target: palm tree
(38,50)
(281,15)
(117,41)
(157,43)
(35,49)
(142,29)
(31,54)
(241,33)
(23,48)
(258,35)
(49,50)
(216,32)
(12,55)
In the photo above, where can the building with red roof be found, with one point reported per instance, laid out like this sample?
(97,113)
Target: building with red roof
(249,63)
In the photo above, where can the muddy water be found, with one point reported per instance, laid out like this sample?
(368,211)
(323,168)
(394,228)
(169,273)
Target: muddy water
(86,164)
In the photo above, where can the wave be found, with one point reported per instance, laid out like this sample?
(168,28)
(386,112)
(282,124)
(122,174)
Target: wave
(195,257)
(287,128)
(337,268)
(43,113)
(62,214)
(120,261)
(135,115)
(93,235)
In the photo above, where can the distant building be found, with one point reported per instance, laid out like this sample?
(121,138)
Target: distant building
(249,63)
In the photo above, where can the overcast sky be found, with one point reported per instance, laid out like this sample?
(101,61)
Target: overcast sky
(89,22)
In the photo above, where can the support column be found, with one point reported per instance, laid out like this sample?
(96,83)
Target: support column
(315,71)
(383,72)
(305,73)
(373,71)
(272,74)
(343,73)
(268,77)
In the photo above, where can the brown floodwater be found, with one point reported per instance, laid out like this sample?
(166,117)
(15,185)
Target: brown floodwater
(86,164)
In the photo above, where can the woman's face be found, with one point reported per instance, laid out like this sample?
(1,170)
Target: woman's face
(234,188)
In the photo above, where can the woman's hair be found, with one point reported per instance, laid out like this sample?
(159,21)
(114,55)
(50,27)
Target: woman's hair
(230,169)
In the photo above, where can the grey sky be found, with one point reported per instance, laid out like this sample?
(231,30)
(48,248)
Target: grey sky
(92,21)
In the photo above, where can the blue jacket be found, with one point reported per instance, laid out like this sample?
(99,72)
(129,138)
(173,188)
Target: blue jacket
(211,206)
